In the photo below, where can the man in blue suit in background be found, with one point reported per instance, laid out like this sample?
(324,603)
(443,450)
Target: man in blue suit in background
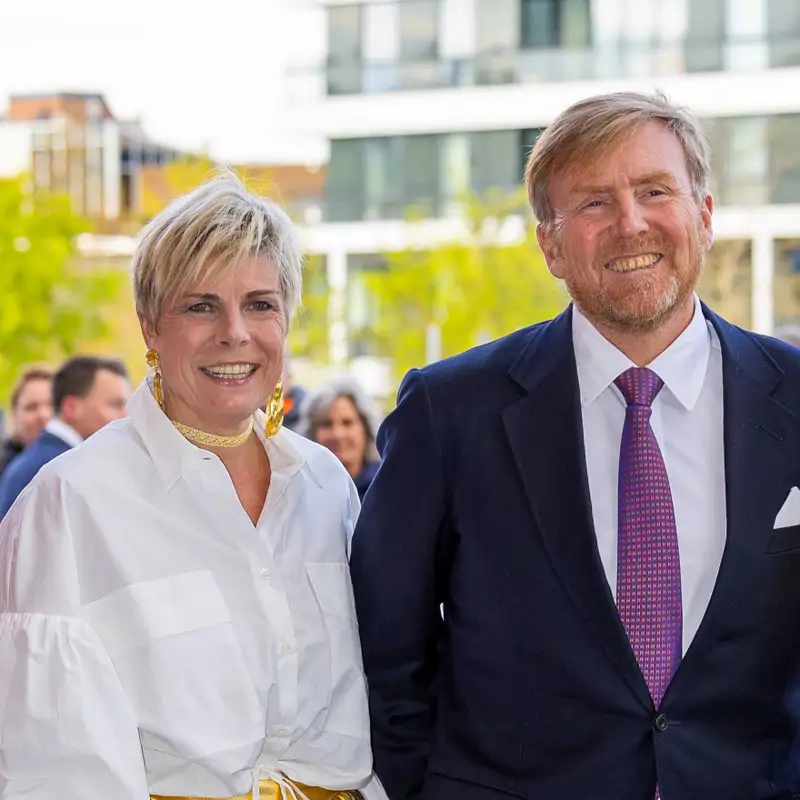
(606,506)
(88,393)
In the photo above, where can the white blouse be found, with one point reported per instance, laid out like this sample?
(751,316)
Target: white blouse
(153,640)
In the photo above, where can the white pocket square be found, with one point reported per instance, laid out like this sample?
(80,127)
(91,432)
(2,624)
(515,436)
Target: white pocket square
(790,513)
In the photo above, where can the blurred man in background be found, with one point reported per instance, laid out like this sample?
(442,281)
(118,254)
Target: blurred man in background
(293,394)
(31,410)
(88,393)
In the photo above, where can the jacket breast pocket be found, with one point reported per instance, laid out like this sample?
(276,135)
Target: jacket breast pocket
(178,658)
(784,540)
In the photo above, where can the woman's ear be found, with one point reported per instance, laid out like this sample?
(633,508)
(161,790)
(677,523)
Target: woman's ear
(148,332)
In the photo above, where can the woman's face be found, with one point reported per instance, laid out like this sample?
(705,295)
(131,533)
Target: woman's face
(342,432)
(33,410)
(221,347)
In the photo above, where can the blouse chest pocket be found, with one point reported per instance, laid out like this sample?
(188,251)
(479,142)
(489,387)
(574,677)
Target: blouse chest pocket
(333,590)
(177,655)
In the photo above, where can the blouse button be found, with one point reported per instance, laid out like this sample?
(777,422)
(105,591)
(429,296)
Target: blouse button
(266,574)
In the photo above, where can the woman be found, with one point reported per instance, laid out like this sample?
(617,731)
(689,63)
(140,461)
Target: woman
(31,410)
(339,416)
(177,615)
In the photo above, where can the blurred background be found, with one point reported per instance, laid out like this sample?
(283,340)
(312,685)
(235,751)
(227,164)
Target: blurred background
(394,132)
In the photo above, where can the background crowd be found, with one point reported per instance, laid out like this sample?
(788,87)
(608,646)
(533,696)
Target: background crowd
(52,411)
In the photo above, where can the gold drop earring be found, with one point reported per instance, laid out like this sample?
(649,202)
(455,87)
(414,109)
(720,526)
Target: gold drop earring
(274,411)
(154,362)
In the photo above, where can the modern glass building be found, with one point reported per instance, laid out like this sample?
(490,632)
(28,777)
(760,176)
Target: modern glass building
(423,99)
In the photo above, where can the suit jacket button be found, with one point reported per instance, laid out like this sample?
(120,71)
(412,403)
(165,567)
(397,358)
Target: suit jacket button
(661,723)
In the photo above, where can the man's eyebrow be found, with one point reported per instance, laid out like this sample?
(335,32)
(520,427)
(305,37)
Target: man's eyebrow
(660,176)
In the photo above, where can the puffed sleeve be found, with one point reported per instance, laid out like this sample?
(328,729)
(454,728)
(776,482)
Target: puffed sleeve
(66,728)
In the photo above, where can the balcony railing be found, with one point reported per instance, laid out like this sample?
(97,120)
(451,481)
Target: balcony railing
(613,59)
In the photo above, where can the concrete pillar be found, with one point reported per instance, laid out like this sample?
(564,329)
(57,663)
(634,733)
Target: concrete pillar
(763,270)
(337,306)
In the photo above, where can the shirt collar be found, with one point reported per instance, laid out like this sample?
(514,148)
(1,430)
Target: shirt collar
(58,428)
(682,366)
(173,455)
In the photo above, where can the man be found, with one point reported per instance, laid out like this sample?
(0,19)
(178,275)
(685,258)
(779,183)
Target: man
(31,410)
(88,393)
(605,506)
(294,395)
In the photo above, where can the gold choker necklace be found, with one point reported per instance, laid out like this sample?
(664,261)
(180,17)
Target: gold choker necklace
(211,439)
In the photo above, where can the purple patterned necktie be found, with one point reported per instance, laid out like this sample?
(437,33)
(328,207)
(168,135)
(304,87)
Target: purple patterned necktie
(648,567)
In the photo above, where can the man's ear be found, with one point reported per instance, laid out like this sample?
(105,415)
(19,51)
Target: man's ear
(69,408)
(547,237)
(706,215)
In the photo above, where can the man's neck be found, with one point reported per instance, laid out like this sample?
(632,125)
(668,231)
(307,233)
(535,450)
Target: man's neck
(643,347)
(59,427)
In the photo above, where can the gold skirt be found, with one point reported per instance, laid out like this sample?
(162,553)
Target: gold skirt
(269,790)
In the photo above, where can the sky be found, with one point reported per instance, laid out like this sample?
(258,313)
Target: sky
(209,80)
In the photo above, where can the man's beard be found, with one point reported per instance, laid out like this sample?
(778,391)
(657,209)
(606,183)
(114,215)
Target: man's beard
(655,300)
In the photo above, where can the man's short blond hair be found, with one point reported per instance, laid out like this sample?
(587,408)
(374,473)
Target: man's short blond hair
(206,234)
(588,130)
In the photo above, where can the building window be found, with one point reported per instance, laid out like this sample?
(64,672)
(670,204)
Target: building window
(495,161)
(344,191)
(555,23)
(419,29)
(784,158)
(383,175)
(344,49)
(421,173)
(783,24)
(755,159)
(497,26)
(705,36)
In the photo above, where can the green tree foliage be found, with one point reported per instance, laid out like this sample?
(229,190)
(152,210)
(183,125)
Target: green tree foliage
(474,289)
(309,334)
(50,301)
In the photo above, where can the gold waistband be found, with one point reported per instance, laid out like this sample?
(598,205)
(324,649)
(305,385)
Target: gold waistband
(269,790)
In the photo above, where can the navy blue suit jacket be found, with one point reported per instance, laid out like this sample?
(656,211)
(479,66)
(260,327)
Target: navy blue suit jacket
(22,470)
(527,686)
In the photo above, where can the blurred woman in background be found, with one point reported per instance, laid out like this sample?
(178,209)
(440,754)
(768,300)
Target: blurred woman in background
(340,416)
(31,410)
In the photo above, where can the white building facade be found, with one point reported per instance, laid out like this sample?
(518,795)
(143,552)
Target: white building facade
(421,100)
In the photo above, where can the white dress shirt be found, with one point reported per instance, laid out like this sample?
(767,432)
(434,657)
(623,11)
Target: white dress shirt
(153,640)
(687,423)
(58,428)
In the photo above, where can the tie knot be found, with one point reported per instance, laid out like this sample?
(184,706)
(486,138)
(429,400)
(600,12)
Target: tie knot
(639,386)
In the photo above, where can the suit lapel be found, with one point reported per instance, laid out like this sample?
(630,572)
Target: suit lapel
(757,429)
(545,432)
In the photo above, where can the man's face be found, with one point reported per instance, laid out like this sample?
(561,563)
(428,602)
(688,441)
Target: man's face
(630,235)
(105,403)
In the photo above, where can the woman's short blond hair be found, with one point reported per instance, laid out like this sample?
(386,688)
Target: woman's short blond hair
(206,234)
(590,129)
